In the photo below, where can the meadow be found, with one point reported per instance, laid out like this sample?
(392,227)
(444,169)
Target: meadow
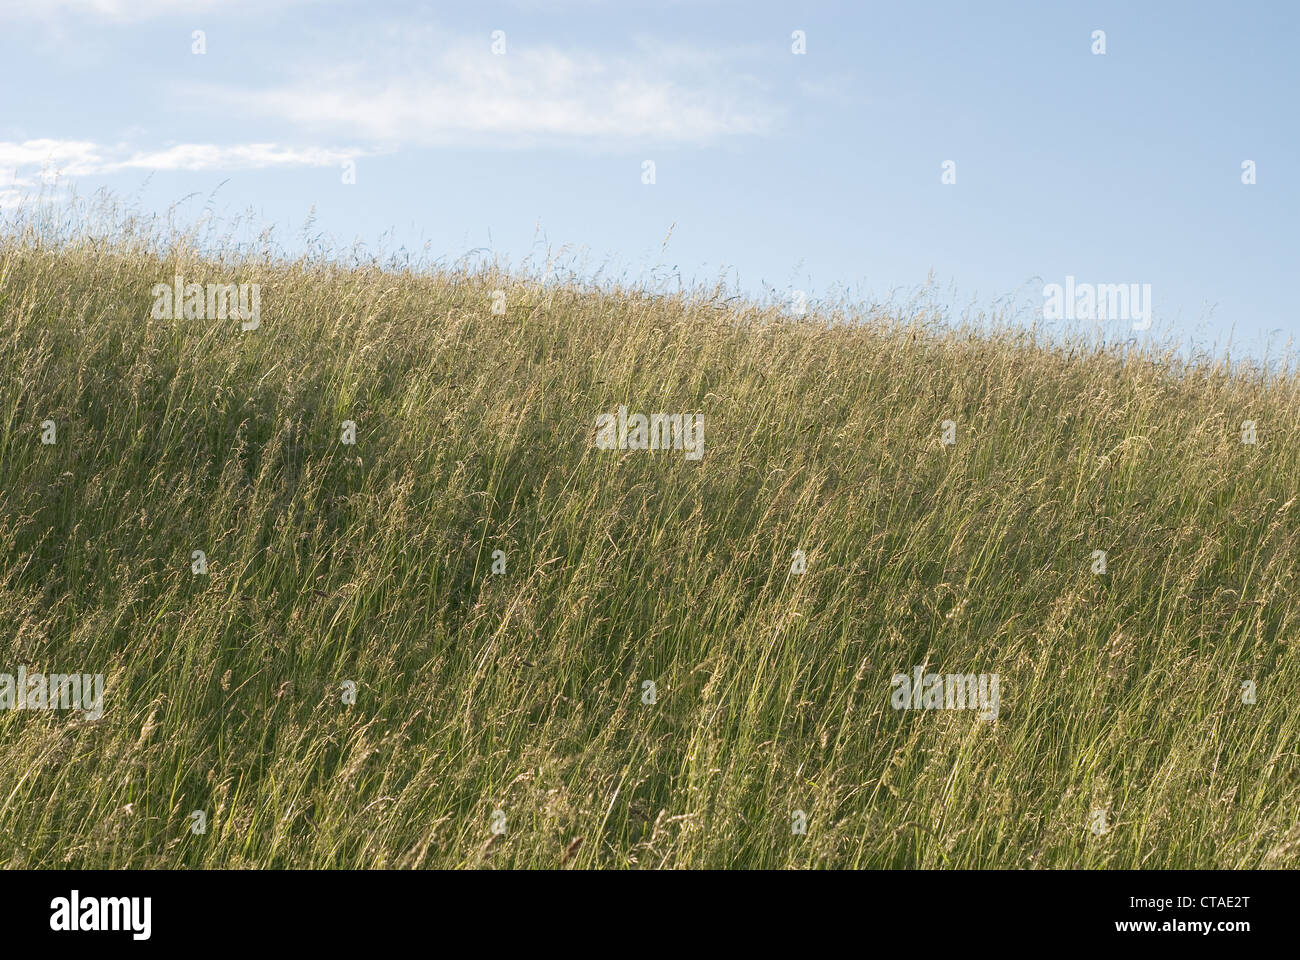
(472,637)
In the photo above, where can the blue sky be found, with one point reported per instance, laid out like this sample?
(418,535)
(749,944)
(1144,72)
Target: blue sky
(818,172)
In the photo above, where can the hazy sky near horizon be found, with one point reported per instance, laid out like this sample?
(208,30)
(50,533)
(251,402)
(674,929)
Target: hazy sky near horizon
(778,171)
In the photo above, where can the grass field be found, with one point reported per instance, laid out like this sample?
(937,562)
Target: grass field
(350,684)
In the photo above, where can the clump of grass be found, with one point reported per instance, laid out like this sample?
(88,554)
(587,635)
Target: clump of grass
(522,692)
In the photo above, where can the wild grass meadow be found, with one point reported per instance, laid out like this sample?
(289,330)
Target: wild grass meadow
(474,638)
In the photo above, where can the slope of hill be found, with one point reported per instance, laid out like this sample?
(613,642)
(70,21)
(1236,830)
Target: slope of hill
(476,637)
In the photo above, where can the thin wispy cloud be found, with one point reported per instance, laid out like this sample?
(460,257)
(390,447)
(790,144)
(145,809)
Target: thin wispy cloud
(23,166)
(125,11)
(464,93)
(83,158)
(240,156)
(69,157)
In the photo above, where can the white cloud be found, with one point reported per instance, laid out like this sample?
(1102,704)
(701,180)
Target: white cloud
(413,94)
(47,159)
(241,156)
(72,157)
(129,10)
(15,190)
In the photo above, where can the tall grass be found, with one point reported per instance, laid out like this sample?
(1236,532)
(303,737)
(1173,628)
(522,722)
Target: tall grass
(522,692)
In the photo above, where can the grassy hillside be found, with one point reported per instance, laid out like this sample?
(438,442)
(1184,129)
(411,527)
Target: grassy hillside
(1121,737)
